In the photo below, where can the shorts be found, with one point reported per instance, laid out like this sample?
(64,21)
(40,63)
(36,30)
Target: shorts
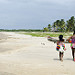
(72,45)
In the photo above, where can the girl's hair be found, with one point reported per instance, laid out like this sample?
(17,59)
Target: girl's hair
(61,38)
(74,33)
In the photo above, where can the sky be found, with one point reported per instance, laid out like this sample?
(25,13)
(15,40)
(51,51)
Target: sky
(34,14)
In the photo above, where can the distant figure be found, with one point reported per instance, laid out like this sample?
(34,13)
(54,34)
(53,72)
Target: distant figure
(61,47)
(72,38)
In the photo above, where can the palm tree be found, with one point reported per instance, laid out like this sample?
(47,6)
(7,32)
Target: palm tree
(54,26)
(49,27)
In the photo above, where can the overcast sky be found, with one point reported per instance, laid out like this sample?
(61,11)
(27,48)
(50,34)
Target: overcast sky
(34,14)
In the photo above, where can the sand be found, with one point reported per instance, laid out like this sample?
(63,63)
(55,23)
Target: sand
(26,55)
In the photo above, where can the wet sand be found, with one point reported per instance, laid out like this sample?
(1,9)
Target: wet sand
(26,55)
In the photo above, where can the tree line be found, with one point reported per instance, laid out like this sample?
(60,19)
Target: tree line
(62,26)
(21,30)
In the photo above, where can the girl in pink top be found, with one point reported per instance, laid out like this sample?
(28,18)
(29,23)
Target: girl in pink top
(72,45)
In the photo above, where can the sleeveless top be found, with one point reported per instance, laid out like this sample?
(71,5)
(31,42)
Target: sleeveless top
(61,47)
(73,42)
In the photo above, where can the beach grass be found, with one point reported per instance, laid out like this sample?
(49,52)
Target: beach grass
(45,34)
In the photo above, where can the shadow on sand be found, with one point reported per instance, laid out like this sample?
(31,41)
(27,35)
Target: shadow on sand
(56,59)
(6,73)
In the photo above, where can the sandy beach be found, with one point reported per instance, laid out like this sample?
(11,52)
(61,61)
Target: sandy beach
(26,55)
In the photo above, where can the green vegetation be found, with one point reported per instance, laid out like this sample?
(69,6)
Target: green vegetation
(38,33)
(47,29)
(21,30)
(45,34)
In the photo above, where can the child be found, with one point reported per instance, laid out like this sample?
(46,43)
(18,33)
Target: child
(61,47)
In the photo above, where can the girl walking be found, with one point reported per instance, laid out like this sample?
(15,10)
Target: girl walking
(61,47)
(72,38)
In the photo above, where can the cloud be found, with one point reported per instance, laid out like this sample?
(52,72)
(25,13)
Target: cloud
(34,13)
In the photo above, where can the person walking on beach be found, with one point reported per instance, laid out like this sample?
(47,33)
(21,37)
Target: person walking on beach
(61,47)
(72,38)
